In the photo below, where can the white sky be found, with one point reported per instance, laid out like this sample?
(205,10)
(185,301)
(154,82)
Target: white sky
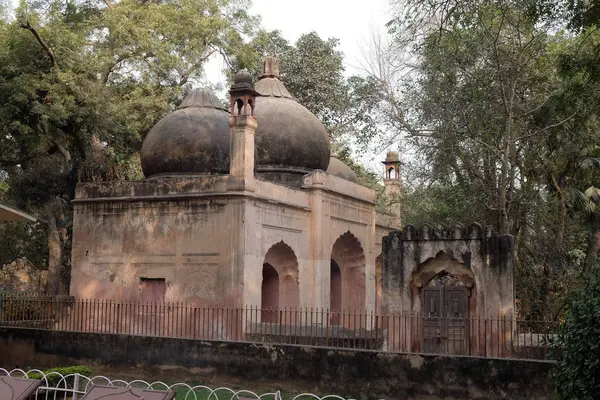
(352,24)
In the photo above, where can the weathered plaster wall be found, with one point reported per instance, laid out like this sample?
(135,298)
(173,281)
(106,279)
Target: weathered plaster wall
(483,261)
(489,257)
(183,241)
(351,373)
(209,236)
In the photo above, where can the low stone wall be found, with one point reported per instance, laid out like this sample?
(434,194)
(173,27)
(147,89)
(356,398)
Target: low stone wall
(358,373)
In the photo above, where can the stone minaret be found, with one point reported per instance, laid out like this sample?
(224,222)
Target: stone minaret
(242,127)
(392,181)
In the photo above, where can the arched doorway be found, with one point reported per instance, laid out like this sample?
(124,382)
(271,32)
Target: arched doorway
(269,293)
(280,289)
(335,292)
(348,256)
(442,286)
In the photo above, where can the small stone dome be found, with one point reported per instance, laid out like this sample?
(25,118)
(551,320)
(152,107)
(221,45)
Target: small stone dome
(194,139)
(289,138)
(341,170)
(391,157)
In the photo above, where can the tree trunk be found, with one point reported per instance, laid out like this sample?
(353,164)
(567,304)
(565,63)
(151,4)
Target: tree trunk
(593,246)
(56,247)
(54,257)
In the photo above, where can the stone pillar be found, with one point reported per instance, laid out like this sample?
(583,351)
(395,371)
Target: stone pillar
(242,127)
(241,146)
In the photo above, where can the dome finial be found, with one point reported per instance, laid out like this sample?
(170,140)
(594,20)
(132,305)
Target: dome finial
(242,77)
(270,68)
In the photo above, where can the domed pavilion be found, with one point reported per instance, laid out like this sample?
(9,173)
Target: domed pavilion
(241,205)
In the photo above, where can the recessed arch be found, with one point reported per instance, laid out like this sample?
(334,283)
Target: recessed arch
(442,289)
(442,264)
(281,258)
(348,254)
(269,301)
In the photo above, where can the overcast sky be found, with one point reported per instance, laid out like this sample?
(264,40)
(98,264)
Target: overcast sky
(351,23)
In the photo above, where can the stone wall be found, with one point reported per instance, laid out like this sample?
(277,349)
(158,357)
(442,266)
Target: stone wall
(356,373)
(117,243)
(483,264)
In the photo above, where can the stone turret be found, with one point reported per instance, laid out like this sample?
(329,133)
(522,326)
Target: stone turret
(242,123)
(393,183)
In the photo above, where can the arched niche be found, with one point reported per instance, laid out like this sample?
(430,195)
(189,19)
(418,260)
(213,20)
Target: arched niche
(269,293)
(348,255)
(280,260)
(442,264)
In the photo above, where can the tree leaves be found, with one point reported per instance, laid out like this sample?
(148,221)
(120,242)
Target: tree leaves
(576,347)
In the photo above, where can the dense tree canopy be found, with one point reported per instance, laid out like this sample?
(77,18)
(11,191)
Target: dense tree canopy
(497,100)
(81,83)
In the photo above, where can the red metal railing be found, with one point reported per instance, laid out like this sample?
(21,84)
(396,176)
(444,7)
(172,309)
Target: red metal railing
(491,337)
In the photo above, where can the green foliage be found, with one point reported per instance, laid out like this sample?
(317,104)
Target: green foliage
(19,240)
(576,347)
(503,121)
(81,84)
(54,378)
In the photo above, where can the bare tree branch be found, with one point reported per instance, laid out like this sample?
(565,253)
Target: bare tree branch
(41,41)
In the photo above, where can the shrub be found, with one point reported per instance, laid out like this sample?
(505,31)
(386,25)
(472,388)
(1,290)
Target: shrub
(577,345)
(54,379)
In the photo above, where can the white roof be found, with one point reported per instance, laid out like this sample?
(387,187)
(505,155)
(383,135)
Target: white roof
(10,214)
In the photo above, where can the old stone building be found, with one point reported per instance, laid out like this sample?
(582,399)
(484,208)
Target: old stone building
(246,207)
(240,207)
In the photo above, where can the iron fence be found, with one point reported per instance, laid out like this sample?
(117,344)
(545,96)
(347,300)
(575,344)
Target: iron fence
(56,386)
(489,337)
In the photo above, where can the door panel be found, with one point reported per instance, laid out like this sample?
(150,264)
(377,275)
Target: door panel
(445,319)
(433,299)
(457,310)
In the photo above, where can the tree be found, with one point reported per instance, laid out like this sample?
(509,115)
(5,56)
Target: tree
(575,348)
(499,108)
(81,83)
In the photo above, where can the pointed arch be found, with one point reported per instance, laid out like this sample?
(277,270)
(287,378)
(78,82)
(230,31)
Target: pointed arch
(280,276)
(442,264)
(348,254)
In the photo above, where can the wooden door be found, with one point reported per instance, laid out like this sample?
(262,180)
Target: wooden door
(433,332)
(152,297)
(456,319)
(445,320)
(153,290)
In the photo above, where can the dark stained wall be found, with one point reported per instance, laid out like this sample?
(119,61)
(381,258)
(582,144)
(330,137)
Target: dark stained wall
(363,374)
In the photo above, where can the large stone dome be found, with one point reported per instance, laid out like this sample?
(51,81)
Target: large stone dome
(289,138)
(290,141)
(194,139)
(341,170)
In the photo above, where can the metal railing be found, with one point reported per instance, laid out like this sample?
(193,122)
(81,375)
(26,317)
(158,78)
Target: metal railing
(56,386)
(491,337)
